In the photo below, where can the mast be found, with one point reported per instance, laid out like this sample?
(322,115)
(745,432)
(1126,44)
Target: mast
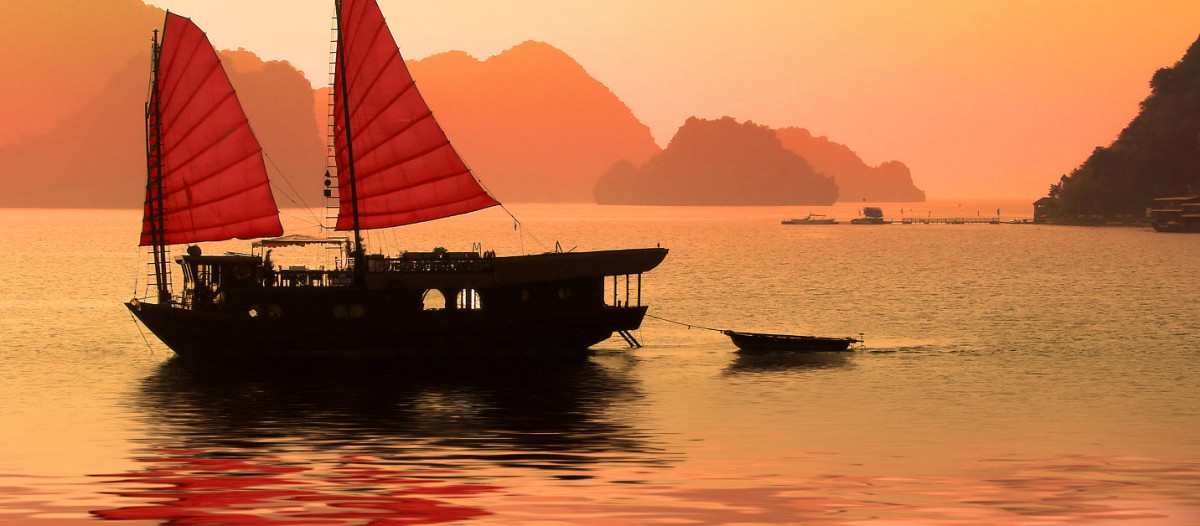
(154,183)
(358,253)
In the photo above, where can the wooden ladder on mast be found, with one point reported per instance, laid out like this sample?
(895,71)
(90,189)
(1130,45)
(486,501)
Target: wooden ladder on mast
(332,199)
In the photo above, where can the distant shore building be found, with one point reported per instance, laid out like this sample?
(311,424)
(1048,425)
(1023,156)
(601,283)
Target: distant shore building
(1045,209)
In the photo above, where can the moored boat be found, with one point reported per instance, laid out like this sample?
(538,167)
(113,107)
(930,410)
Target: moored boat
(755,342)
(810,219)
(206,181)
(871,215)
(1176,214)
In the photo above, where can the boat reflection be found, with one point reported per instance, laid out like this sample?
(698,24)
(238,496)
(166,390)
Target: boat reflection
(358,443)
(788,361)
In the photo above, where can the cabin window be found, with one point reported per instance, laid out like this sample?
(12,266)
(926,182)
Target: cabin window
(564,293)
(524,295)
(348,311)
(434,300)
(270,311)
(468,299)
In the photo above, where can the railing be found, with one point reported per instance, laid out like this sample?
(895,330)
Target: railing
(977,220)
(439,265)
(300,277)
(310,278)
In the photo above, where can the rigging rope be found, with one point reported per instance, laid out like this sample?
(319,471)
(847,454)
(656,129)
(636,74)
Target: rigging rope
(137,277)
(520,226)
(303,204)
(139,328)
(299,219)
(688,325)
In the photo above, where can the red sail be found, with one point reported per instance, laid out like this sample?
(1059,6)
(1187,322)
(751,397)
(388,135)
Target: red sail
(214,183)
(404,170)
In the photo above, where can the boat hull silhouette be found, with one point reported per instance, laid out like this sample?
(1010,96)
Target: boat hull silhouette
(754,342)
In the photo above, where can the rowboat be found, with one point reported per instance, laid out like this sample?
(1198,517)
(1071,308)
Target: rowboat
(755,342)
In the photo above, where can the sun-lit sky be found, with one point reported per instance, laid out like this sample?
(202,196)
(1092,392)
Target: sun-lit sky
(981,98)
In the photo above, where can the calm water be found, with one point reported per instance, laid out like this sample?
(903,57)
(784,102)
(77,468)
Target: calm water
(1012,375)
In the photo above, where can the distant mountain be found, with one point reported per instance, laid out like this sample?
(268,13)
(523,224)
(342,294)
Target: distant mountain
(88,147)
(531,122)
(1156,155)
(718,162)
(92,158)
(95,157)
(888,182)
(60,54)
(277,99)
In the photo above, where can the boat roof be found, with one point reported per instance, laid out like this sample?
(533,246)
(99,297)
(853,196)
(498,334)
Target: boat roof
(228,257)
(299,240)
(1180,198)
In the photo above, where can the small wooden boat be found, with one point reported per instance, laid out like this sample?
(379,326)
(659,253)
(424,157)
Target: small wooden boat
(752,342)
(812,219)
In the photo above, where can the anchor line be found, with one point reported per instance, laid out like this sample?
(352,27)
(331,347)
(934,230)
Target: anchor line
(688,325)
(139,328)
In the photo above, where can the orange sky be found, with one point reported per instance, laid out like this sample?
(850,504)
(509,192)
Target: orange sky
(980,98)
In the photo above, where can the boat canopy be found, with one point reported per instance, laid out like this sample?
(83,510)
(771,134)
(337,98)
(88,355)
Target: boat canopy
(299,240)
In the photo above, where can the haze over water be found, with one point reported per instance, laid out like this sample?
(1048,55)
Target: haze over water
(1012,374)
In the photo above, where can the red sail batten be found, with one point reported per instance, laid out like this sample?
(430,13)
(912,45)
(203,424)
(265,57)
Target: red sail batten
(214,180)
(405,169)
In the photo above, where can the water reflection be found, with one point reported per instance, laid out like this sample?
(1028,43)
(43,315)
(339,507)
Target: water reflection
(789,361)
(407,443)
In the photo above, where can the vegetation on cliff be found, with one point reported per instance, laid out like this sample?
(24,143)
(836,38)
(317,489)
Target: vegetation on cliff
(1156,155)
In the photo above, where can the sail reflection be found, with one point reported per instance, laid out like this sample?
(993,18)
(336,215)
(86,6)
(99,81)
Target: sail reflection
(306,445)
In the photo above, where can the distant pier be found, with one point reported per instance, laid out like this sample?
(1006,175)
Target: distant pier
(947,221)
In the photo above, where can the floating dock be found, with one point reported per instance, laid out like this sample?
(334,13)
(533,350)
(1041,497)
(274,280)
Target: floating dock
(948,221)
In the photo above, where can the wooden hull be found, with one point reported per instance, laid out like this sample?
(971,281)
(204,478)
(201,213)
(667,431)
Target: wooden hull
(750,342)
(1176,228)
(208,335)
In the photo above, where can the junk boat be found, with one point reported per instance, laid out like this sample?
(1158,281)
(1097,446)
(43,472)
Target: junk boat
(394,166)
(1176,214)
(810,219)
(872,215)
(755,342)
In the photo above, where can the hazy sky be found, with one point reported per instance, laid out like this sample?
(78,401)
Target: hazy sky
(980,98)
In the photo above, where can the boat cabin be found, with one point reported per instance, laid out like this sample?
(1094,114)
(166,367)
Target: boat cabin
(418,281)
(1176,214)
(206,279)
